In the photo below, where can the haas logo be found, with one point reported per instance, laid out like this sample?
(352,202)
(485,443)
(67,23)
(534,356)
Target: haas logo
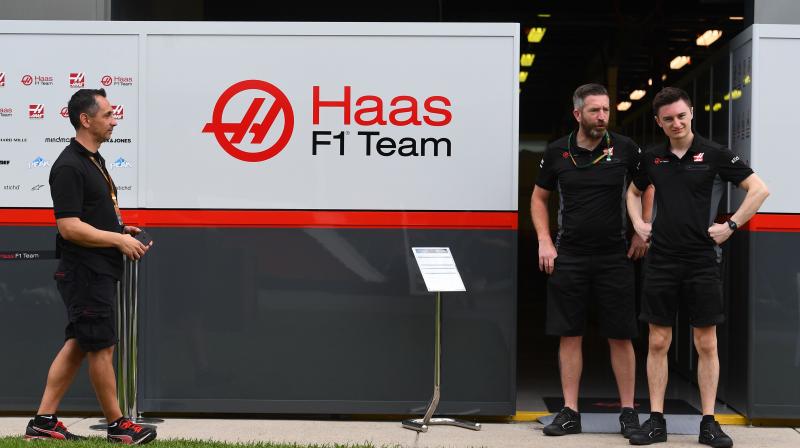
(2,79)
(36,111)
(106,80)
(118,111)
(27,80)
(231,134)
(65,112)
(76,79)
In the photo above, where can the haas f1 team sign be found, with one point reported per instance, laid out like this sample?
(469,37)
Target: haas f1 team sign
(366,110)
(416,117)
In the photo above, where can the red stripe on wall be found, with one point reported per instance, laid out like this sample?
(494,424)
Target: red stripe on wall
(286,218)
(774,223)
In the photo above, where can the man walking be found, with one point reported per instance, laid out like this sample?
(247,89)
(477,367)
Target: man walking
(683,264)
(590,168)
(91,241)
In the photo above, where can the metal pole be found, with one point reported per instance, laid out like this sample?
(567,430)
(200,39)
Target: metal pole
(421,424)
(133,351)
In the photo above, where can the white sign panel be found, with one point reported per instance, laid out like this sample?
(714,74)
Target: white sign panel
(38,75)
(438,269)
(265,116)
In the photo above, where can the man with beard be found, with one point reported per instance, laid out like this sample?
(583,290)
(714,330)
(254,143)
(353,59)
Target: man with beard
(590,261)
(91,241)
(689,173)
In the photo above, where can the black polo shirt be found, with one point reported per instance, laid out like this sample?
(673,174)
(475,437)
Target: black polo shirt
(79,190)
(688,192)
(592,217)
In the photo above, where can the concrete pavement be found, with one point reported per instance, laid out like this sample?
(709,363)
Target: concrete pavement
(391,434)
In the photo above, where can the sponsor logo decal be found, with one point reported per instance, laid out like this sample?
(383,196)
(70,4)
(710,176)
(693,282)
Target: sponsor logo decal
(698,157)
(57,139)
(38,80)
(118,111)
(735,159)
(564,154)
(64,112)
(39,162)
(2,79)
(6,111)
(77,79)
(108,80)
(5,162)
(37,187)
(230,134)
(11,187)
(36,111)
(13,139)
(120,163)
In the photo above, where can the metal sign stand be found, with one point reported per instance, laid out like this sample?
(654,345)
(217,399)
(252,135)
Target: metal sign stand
(421,424)
(127,347)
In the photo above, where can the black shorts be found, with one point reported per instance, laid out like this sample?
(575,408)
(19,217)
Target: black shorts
(668,281)
(90,299)
(579,280)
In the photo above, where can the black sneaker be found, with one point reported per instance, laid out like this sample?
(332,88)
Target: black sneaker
(52,429)
(711,434)
(628,422)
(129,433)
(566,422)
(653,430)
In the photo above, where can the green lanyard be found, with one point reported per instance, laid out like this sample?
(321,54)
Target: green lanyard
(607,153)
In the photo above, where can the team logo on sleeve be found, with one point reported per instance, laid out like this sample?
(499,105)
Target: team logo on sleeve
(565,154)
(698,157)
(735,159)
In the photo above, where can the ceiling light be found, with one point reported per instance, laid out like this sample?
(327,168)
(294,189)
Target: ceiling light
(526,60)
(523,76)
(664,77)
(717,107)
(679,62)
(623,106)
(543,15)
(747,79)
(535,35)
(736,94)
(727,97)
(736,18)
(638,94)
(707,108)
(649,81)
(708,38)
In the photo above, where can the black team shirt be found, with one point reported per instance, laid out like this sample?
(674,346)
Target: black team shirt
(592,217)
(688,192)
(79,190)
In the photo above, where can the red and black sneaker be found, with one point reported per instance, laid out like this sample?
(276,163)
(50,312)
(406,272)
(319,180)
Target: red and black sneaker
(129,433)
(51,429)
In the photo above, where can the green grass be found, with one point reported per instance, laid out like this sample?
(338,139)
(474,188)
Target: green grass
(99,442)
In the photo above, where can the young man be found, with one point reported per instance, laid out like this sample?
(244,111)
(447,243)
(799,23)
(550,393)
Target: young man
(590,168)
(683,262)
(92,241)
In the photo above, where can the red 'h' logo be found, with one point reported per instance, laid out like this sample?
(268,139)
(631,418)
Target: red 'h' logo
(259,130)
